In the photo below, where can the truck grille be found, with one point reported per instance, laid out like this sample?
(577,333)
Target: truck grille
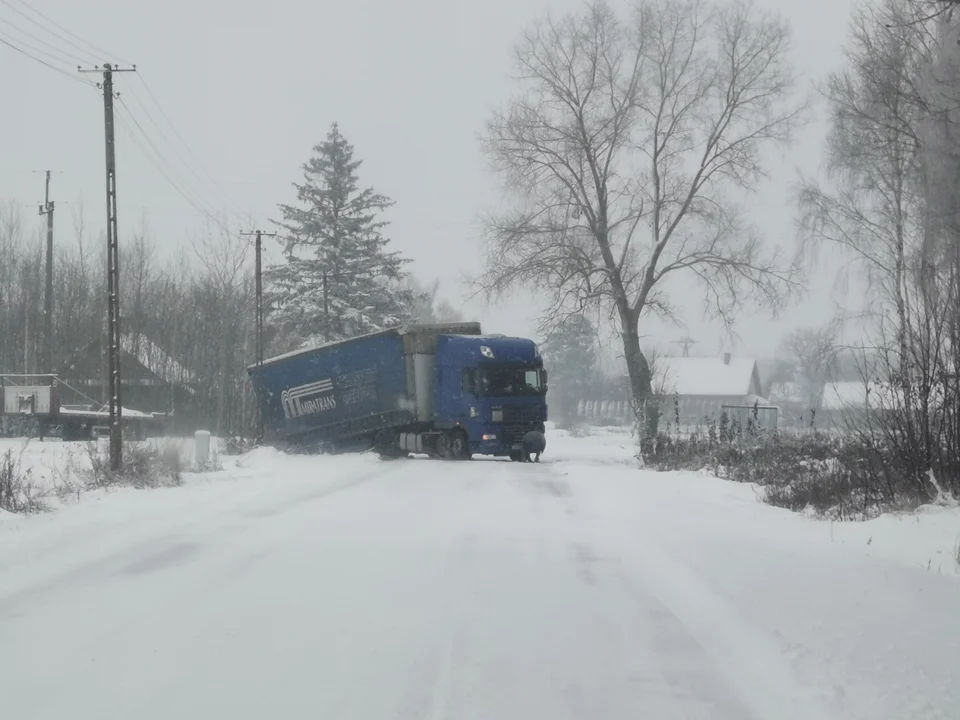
(513,434)
(519,414)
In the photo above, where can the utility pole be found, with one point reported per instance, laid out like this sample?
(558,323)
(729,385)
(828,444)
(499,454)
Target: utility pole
(113,267)
(47,209)
(686,342)
(259,235)
(26,341)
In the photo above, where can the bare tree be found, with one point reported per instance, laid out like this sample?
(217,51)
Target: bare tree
(876,209)
(136,264)
(625,154)
(813,353)
(223,258)
(894,159)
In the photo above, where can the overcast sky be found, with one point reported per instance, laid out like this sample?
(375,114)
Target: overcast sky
(252,86)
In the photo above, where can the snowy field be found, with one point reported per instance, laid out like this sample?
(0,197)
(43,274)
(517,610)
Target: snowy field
(346,587)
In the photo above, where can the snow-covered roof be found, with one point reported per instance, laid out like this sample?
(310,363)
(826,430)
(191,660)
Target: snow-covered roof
(155,359)
(125,411)
(853,395)
(704,375)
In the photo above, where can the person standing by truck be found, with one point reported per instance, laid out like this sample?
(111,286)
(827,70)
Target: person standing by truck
(534,443)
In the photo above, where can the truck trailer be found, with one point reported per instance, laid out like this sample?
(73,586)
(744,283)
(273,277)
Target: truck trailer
(446,391)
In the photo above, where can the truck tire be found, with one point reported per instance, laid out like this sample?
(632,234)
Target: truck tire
(386,446)
(459,446)
(453,445)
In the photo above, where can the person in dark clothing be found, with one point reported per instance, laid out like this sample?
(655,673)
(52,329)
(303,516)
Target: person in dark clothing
(534,443)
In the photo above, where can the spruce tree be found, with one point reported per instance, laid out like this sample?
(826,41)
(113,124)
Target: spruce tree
(338,279)
(570,354)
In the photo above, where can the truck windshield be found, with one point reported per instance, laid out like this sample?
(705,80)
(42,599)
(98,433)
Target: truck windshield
(506,381)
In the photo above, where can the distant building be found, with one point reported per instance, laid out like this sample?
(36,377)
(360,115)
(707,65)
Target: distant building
(151,380)
(699,387)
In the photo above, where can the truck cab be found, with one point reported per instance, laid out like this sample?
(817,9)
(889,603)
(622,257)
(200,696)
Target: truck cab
(491,387)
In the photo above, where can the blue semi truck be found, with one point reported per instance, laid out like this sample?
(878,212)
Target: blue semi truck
(446,391)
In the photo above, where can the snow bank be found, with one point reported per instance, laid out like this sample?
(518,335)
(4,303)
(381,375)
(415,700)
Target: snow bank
(863,612)
(57,468)
(570,582)
(928,539)
(591,445)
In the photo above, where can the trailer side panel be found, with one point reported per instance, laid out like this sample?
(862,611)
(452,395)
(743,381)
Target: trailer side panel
(335,390)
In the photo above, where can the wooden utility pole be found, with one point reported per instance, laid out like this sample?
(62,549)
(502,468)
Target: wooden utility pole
(47,209)
(686,342)
(113,268)
(27,339)
(259,235)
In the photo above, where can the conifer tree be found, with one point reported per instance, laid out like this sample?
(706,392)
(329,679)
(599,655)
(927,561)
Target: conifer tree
(570,353)
(339,278)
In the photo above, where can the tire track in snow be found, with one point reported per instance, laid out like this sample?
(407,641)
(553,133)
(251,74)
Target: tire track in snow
(751,663)
(712,658)
(94,629)
(174,547)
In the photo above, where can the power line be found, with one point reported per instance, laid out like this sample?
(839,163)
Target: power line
(69,56)
(197,196)
(184,142)
(33,48)
(100,51)
(169,173)
(208,186)
(158,161)
(158,164)
(210,182)
(20,50)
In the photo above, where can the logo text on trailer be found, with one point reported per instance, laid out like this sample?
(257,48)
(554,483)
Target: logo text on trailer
(309,399)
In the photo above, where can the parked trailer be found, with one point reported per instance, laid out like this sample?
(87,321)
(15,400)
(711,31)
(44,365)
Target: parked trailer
(441,390)
(30,405)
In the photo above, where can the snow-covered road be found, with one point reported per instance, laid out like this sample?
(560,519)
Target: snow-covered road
(350,588)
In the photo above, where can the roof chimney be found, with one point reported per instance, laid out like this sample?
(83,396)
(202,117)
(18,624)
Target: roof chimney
(726,358)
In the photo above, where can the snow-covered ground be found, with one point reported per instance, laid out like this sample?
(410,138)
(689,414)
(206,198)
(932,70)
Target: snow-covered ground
(346,587)
(55,467)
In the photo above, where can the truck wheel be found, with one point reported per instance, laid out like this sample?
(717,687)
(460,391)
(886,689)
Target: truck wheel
(443,446)
(516,456)
(459,446)
(386,447)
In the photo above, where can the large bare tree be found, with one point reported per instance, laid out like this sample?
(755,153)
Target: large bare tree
(626,155)
(874,205)
(891,199)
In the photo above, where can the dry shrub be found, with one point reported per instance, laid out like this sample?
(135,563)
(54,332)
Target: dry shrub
(18,491)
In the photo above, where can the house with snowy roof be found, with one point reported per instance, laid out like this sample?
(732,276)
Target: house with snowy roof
(152,380)
(701,387)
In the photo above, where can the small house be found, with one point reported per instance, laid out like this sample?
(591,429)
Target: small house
(151,380)
(702,388)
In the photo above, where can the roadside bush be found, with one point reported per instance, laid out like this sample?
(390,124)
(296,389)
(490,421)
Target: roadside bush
(18,492)
(842,476)
(142,466)
(237,445)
